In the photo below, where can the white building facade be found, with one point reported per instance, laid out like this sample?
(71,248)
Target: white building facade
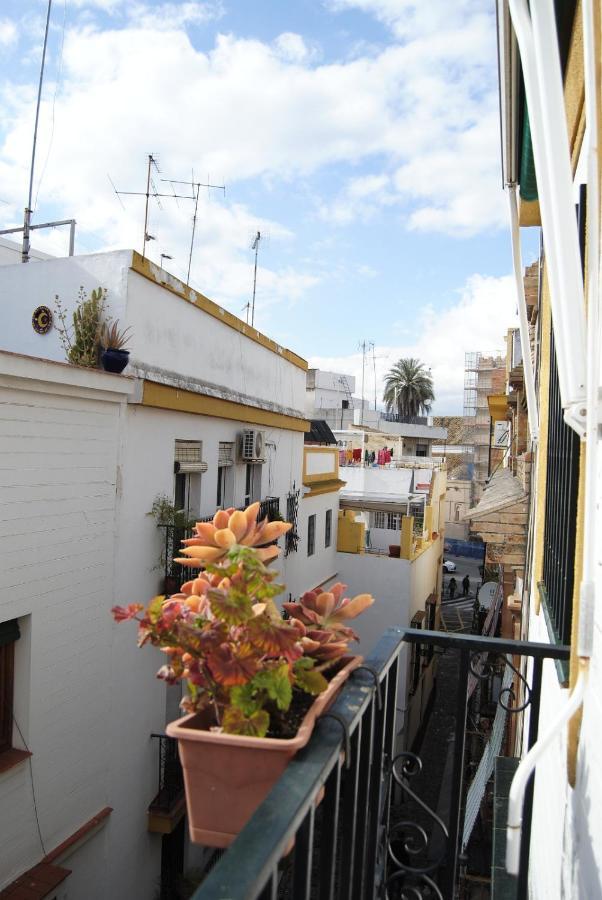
(84,455)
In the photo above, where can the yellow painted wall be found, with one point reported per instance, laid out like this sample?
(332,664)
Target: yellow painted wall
(351,536)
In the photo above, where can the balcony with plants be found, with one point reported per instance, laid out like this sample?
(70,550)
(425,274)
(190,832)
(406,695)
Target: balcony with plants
(294,752)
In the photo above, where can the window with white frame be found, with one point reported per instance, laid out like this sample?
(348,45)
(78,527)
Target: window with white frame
(390,521)
(188,468)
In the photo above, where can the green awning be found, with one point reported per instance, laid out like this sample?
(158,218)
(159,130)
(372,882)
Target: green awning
(527,178)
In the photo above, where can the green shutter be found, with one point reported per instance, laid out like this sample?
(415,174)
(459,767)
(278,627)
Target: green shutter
(527,178)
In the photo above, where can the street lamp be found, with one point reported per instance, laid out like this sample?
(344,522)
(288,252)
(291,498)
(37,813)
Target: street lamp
(165,256)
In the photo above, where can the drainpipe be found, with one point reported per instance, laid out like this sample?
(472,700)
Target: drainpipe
(587,591)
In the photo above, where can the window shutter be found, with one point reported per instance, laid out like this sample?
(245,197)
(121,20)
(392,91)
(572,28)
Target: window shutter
(188,458)
(9,632)
(226,454)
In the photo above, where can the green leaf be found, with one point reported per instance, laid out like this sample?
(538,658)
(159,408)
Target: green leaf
(243,698)
(235,722)
(232,606)
(155,608)
(310,681)
(277,685)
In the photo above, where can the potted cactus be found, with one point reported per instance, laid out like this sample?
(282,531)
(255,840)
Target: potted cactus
(256,682)
(113,340)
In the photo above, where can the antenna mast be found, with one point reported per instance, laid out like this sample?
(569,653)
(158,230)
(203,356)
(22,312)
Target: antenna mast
(255,247)
(27,217)
(365,346)
(196,186)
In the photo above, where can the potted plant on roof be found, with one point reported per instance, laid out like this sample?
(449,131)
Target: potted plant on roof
(256,682)
(80,338)
(113,341)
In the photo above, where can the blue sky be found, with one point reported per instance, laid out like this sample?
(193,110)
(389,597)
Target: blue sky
(359,136)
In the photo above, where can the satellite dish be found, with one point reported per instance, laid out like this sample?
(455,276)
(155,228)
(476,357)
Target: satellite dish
(487,592)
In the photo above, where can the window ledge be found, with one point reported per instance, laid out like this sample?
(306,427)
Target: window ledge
(11,758)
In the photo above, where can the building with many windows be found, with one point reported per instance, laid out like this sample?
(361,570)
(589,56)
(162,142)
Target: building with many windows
(208,414)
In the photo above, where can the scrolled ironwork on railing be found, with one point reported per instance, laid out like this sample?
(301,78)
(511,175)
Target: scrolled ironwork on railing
(336,808)
(410,876)
(483,669)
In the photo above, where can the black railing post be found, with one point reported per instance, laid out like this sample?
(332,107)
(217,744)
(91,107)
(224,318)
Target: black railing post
(448,876)
(523,873)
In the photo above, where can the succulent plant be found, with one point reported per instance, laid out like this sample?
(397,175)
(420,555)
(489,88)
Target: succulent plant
(223,634)
(114,338)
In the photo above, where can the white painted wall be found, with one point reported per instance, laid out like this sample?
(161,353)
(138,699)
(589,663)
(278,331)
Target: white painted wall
(79,471)
(376,481)
(300,571)
(169,333)
(388,580)
(59,452)
(10,253)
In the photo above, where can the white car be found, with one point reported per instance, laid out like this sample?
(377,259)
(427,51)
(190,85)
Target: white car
(449,566)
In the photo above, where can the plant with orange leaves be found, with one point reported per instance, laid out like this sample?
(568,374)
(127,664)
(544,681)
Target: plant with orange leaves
(223,634)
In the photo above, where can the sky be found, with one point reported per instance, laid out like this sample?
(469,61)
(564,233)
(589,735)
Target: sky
(360,137)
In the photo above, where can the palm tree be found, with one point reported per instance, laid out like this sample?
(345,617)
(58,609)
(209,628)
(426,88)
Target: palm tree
(408,388)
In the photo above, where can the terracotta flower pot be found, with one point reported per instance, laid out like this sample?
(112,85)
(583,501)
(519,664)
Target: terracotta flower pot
(227,776)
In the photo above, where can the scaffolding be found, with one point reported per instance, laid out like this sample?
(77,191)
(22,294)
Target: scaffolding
(478,384)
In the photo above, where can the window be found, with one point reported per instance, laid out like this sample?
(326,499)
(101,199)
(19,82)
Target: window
(188,468)
(328,528)
(9,634)
(391,521)
(422,449)
(560,511)
(311,535)
(225,479)
(378,520)
(252,483)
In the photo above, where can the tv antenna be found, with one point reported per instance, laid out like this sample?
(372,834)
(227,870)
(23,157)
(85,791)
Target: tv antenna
(151,191)
(251,304)
(374,358)
(365,346)
(196,186)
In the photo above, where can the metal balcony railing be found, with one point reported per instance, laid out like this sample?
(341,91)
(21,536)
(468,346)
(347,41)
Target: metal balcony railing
(171,780)
(175,534)
(344,822)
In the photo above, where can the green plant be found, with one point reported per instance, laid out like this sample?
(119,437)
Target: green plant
(224,635)
(164,512)
(114,338)
(81,339)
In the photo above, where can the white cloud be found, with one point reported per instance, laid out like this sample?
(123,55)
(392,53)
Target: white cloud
(416,112)
(292,47)
(410,18)
(8,33)
(478,321)
(173,16)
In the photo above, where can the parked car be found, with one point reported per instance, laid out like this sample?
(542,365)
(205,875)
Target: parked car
(449,566)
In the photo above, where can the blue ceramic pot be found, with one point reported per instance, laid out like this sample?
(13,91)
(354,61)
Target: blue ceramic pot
(115,360)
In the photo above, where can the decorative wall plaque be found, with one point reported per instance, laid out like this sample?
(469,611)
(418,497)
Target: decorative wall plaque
(42,319)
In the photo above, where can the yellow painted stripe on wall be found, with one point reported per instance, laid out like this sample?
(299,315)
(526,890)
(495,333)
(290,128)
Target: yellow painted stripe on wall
(163,396)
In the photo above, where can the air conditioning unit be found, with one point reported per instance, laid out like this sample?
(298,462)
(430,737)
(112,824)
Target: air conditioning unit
(252,446)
